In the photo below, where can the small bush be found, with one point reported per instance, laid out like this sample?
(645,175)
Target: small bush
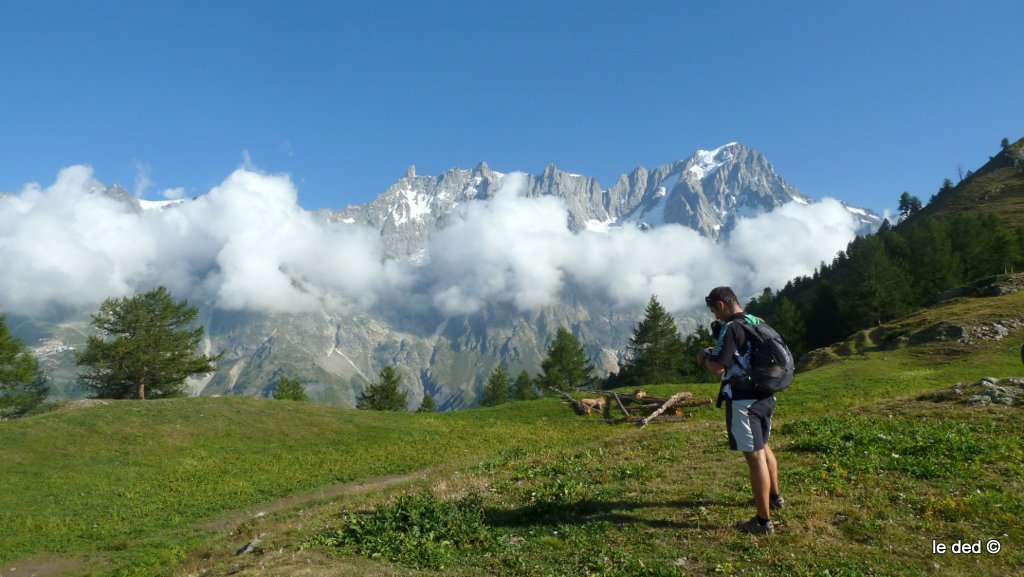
(418,530)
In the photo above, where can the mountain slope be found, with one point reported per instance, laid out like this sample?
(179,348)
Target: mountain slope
(996,188)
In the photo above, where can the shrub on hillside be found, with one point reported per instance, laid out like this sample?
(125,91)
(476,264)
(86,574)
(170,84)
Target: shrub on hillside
(290,390)
(418,530)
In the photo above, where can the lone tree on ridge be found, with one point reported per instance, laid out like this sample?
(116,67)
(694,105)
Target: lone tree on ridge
(143,348)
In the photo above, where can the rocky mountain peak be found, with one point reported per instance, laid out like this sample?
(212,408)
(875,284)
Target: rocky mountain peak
(708,192)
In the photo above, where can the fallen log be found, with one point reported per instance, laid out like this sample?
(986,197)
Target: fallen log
(578,406)
(665,406)
(649,400)
(683,403)
(621,406)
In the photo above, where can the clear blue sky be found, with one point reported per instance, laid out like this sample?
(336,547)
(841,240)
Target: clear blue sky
(859,100)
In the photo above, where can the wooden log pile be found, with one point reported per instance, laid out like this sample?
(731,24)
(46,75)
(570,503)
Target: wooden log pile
(638,407)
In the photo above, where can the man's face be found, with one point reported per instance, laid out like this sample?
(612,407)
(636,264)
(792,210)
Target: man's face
(718,309)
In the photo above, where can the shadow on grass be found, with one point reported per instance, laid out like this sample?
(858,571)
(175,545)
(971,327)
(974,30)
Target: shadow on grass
(617,512)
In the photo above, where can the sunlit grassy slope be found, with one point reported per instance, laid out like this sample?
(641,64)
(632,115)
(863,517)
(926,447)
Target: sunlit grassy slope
(872,472)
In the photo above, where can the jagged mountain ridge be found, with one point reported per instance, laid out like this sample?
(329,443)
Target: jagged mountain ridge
(706,192)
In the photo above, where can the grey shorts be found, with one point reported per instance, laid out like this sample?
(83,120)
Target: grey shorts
(749,422)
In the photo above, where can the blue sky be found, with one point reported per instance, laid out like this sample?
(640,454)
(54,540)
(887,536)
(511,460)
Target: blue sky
(854,100)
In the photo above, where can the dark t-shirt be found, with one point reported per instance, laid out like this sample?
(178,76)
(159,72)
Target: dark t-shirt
(732,351)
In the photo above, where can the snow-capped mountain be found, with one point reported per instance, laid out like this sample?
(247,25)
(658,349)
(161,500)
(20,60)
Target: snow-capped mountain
(706,192)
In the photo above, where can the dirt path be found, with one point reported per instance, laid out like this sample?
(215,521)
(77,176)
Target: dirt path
(48,565)
(232,519)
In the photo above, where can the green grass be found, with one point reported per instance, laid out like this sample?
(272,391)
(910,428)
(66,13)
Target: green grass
(873,473)
(107,478)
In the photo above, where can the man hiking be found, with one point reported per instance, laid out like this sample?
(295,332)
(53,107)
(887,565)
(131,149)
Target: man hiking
(748,415)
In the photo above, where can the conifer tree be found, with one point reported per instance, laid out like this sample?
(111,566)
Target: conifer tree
(655,353)
(522,388)
(427,405)
(909,206)
(290,390)
(566,365)
(825,323)
(934,265)
(498,388)
(986,246)
(384,394)
(788,321)
(22,383)
(143,348)
(693,344)
(883,290)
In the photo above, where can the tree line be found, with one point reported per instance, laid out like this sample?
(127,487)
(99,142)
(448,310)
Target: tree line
(891,273)
(145,347)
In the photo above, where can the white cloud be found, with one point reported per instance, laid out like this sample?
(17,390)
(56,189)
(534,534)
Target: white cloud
(519,250)
(790,241)
(245,245)
(173,193)
(248,245)
(142,179)
(509,249)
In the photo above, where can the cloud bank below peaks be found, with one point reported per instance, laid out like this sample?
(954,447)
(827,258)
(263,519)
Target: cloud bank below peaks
(519,250)
(247,245)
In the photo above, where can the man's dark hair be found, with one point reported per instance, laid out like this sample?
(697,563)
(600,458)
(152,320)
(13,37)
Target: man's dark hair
(722,293)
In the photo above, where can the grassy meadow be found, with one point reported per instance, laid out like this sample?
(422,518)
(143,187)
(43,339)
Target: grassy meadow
(873,473)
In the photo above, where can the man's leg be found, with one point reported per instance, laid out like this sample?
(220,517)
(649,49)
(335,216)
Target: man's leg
(773,470)
(760,481)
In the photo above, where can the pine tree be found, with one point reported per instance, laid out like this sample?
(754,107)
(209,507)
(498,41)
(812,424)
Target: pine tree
(762,305)
(290,390)
(566,366)
(694,343)
(825,324)
(522,389)
(22,383)
(384,394)
(150,351)
(427,406)
(934,265)
(883,289)
(985,244)
(909,205)
(789,322)
(497,389)
(655,353)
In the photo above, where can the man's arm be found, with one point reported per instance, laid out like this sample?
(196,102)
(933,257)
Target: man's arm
(704,358)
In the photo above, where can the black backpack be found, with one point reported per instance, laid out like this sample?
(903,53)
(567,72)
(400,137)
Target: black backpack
(771,362)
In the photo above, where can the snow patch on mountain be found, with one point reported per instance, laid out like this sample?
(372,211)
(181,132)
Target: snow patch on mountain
(158,204)
(412,208)
(708,161)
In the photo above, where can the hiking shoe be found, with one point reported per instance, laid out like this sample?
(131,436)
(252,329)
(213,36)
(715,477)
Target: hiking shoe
(776,502)
(755,527)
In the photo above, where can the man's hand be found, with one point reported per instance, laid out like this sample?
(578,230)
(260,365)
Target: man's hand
(704,358)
